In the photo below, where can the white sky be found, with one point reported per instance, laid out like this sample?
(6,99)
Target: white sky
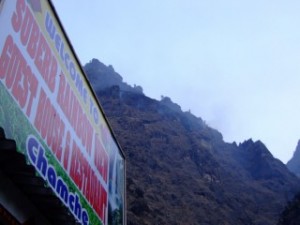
(235,64)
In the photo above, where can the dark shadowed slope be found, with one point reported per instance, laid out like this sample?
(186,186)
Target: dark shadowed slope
(180,171)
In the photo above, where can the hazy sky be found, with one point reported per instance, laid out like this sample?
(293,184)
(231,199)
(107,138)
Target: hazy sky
(234,63)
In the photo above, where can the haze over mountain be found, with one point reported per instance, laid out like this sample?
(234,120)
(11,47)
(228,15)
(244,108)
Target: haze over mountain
(240,59)
(180,170)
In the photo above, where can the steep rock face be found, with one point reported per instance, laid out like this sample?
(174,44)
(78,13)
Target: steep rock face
(180,171)
(183,173)
(102,76)
(294,163)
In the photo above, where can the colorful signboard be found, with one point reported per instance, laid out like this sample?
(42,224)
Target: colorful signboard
(48,107)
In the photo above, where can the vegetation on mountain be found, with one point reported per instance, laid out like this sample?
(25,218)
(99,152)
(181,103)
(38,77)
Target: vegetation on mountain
(180,171)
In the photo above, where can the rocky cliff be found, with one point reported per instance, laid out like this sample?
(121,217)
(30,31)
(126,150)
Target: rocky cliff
(180,171)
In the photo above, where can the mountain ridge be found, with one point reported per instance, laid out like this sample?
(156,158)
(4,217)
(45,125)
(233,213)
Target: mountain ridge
(180,170)
(294,163)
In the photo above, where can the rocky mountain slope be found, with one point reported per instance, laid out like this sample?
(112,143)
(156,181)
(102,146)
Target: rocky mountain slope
(294,163)
(291,213)
(180,171)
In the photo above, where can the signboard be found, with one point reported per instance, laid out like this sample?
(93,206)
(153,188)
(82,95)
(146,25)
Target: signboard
(48,108)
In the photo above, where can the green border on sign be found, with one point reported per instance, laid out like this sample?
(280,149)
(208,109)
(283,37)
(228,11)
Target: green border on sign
(17,127)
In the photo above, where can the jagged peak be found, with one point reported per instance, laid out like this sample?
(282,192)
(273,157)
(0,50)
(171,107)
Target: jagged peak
(297,150)
(102,77)
(257,147)
(294,163)
(246,142)
(167,101)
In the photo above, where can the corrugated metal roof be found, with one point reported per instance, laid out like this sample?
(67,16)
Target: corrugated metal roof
(14,166)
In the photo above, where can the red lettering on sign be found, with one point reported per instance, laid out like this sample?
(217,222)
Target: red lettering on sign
(75,114)
(18,15)
(87,181)
(6,56)
(46,63)
(101,159)
(77,168)
(31,37)
(27,24)
(50,125)
(18,75)
(19,86)
(34,40)
(8,59)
